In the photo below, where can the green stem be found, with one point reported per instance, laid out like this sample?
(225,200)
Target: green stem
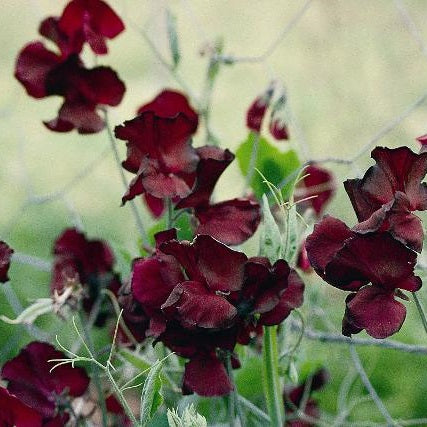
(122,399)
(96,370)
(272,389)
(420,310)
(169,213)
(232,399)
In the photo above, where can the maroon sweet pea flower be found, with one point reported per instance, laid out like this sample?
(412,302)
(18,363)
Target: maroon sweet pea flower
(271,291)
(30,380)
(159,152)
(390,191)
(13,412)
(293,398)
(232,221)
(319,184)
(89,263)
(257,110)
(303,262)
(350,261)
(5,256)
(44,73)
(92,21)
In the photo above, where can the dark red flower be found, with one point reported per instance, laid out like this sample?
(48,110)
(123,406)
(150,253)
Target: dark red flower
(257,110)
(44,73)
(29,378)
(319,184)
(232,221)
(79,260)
(293,398)
(159,152)
(5,256)
(349,261)
(390,190)
(13,412)
(272,291)
(91,20)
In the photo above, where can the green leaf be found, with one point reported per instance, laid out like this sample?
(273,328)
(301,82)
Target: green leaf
(271,244)
(173,37)
(274,164)
(135,360)
(151,397)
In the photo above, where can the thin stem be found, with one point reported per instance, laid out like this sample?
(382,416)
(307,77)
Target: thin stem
(254,409)
(121,398)
(96,377)
(271,381)
(135,212)
(420,311)
(325,337)
(232,399)
(369,387)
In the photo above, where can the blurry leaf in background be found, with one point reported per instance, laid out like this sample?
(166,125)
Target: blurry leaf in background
(274,164)
(173,37)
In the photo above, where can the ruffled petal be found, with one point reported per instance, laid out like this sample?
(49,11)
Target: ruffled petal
(375,311)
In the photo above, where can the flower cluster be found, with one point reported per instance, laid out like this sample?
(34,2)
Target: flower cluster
(85,263)
(45,73)
(202,298)
(167,166)
(375,260)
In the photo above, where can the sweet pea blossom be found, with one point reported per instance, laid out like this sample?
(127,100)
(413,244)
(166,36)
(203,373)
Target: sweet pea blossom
(89,263)
(389,192)
(92,21)
(30,379)
(374,267)
(203,297)
(159,149)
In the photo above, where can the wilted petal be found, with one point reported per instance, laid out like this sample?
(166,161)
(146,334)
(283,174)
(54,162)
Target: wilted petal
(375,311)
(194,305)
(206,376)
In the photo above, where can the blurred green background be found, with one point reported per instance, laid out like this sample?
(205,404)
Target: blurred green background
(349,68)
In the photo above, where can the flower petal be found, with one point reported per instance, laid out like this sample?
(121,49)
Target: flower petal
(206,376)
(194,305)
(375,311)
(231,222)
